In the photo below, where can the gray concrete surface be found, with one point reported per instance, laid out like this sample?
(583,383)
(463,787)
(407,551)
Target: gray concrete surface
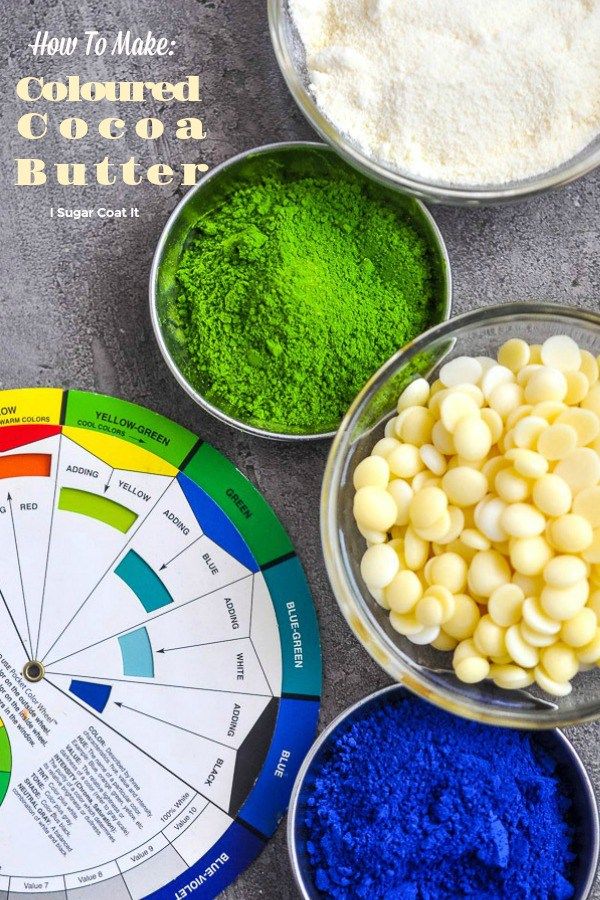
(73,297)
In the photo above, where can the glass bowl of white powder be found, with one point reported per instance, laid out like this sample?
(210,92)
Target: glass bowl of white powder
(464,103)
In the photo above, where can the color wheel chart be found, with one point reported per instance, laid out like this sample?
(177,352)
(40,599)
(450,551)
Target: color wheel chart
(160,666)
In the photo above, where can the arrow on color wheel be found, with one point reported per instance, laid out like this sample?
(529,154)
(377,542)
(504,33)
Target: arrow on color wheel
(146,715)
(177,555)
(14,531)
(202,644)
(107,485)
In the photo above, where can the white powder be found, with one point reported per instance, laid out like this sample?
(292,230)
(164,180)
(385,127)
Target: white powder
(471,92)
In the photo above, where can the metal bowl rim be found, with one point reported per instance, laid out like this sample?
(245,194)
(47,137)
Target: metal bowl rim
(440,248)
(571,752)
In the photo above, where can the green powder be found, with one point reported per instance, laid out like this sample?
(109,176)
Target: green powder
(292,293)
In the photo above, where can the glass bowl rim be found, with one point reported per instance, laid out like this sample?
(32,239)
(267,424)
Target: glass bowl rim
(439,192)
(352,603)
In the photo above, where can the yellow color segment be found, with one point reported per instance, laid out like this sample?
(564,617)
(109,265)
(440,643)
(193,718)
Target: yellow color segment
(119,454)
(30,406)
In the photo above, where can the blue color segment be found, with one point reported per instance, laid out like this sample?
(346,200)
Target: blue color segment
(143,581)
(216,869)
(215,524)
(136,651)
(298,627)
(294,733)
(94,695)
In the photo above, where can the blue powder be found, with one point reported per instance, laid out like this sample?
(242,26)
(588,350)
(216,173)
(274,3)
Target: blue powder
(410,803)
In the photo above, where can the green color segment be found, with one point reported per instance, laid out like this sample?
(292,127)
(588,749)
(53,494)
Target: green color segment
(242,503)
(4,781)
(5,752)
(95,507)
(5,761)
(293,292)
(143,581)
(130,422)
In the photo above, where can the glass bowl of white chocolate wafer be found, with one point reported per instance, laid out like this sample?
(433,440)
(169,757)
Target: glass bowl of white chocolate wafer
(460,516)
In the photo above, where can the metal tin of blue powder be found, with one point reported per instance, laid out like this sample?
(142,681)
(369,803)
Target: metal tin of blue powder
(552,791)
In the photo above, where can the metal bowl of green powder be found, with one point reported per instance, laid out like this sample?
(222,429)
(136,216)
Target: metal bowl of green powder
(284,279)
